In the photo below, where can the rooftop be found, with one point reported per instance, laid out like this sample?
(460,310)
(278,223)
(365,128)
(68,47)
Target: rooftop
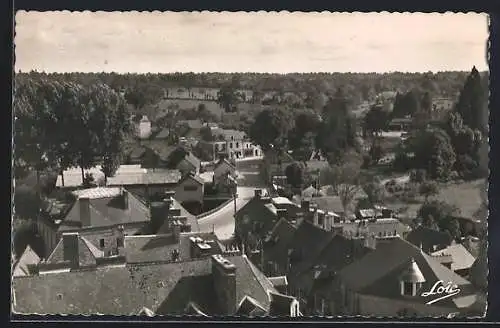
(461,257)
(164,288)
(389,260)
(146,177)
(23,266)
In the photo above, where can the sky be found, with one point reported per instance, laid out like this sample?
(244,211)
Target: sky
(156,42)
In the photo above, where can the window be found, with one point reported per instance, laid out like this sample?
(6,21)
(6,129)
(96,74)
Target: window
(101,242)
(408,288)
(190,188)
(321,221)
(237,145)
(59,297)
(119,242)
(231,145)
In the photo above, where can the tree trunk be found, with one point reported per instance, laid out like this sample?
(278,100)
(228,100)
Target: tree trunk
(62,177)
(83,175)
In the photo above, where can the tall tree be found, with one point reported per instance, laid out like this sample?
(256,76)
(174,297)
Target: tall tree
(376,120)
(270,129)
(472,102)
(295,174)
(142,93)
(227,98)
(434,153)
(337,132)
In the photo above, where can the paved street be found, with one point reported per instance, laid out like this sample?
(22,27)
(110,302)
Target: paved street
(222,221)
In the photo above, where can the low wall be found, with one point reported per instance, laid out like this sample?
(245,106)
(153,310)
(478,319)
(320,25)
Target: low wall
(202,215)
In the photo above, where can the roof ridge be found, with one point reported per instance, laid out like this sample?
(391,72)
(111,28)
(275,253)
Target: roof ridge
(253,269)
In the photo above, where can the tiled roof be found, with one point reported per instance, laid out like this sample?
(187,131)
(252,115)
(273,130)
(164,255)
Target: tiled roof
(97,193)
(461,257)
(27,259)
(329,203)
(148,177)
(228,133)
(73,176)
(154,248)
(195,161)
(86,257)
(106,209)
(164,288)
(388,262)
(192,124)
(279,240)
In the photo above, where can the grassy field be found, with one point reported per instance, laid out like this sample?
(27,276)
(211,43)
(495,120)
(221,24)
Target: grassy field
(466,196)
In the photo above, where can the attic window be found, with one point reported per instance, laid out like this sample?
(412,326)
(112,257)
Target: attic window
(101,242)
(59,297)
(408,288)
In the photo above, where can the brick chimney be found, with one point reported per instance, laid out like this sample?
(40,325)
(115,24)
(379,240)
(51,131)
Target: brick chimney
(70,249)
(84,203)
(158,214)
(125,199)
(258,193)
(224,275)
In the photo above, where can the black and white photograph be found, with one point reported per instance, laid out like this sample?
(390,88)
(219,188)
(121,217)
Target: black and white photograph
(250,164)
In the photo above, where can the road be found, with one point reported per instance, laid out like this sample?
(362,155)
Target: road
(222,221)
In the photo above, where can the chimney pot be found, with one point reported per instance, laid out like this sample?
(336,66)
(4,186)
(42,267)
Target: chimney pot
(84,211)
(125,199)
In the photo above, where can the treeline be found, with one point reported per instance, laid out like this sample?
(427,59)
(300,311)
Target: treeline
(357,86)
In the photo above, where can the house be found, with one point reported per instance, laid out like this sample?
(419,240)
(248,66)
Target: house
(233,143)
(379,227)
(257,218)
(429,240)
(25,264)
(213,285)
(97,214)
(400,278)
(455,257)
(143,128)
(142,155)
(224,168)
(400,124)
(147,183)
(184,160)
(191,189)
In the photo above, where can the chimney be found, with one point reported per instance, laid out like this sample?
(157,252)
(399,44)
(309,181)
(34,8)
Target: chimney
(224,276)
(176,230)
(158,214)
(305,205)
(70,249)
(84,211)
(125,199)
(370,241)
(258,193)
(281,213)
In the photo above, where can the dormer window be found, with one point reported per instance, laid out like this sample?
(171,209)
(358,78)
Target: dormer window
(101,243)
(411,279)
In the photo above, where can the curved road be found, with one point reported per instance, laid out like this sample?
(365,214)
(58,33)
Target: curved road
(222,221)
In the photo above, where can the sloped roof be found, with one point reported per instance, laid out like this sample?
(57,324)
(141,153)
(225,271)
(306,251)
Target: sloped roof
(86,257)
(27,259)
(192,124)
(279,239)
(224,160)
(163,134)
(107,210)
(148,177)
(315,165)
(461,257)
(388,261)
(164,288)
(278,281)
(381,227)
(310,192)
(153,248)
(329,203)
